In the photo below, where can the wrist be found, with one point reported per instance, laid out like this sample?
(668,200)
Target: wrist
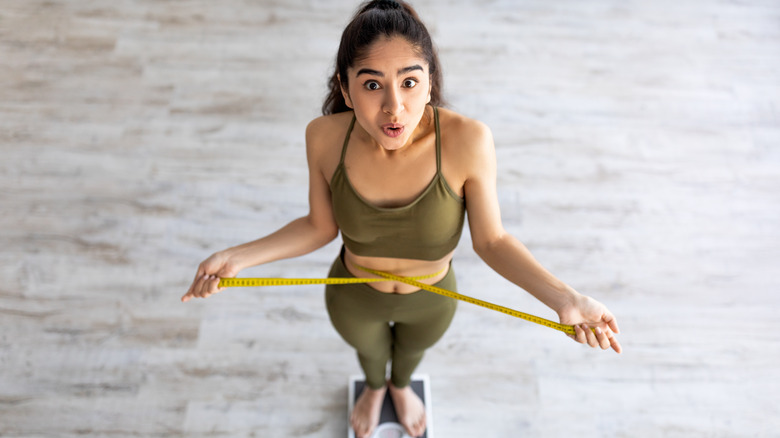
(566,298)
(234,258)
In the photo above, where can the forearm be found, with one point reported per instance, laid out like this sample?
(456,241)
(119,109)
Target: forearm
(297,238)
(512,260)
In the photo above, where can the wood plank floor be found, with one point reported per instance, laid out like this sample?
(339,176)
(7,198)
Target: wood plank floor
(639,159)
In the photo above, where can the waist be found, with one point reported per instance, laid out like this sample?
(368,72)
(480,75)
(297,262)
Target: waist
(433,271)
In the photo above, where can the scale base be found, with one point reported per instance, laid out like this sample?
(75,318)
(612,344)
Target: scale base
(388,422)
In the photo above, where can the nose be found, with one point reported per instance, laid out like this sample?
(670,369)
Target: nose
(393,103)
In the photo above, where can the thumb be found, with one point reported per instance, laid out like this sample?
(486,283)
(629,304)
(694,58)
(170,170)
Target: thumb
(611,322)
(226,272)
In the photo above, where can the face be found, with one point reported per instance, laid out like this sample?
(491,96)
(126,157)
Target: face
(388,90)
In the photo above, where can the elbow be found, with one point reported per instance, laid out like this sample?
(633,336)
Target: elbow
(327,232)
(485,245)
(320,232)
(330,234)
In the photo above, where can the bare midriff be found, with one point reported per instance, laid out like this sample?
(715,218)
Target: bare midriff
(400,267)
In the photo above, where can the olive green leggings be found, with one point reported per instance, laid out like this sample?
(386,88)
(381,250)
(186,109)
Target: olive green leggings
(384,326)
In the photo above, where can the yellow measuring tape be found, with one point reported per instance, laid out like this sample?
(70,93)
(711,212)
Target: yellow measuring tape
(256,282)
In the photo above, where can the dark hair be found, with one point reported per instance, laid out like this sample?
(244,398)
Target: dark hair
(374,19)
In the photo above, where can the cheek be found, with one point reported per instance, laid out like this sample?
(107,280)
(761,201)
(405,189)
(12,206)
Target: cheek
(423,95)
(360,95)
(364,103)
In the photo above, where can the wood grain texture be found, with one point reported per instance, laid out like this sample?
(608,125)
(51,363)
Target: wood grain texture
(638,159)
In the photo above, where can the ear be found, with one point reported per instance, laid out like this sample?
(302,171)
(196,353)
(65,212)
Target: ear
(344,92)
(430,88)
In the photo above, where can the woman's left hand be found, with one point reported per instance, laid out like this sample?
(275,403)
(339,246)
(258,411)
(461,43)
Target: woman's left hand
(593,323)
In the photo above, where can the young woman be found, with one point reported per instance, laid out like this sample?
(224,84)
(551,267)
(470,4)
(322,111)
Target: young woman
(396,174)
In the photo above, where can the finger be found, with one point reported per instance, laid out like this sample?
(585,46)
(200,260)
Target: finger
(209,287)
(200,289)
(186,297)
(214,285)
(192,285)
(592,340)
(611,322)
(218,280)
(192,293)
(615,345)
(613,342)
(603,338)
(194,290)
(579,335)
(187,294)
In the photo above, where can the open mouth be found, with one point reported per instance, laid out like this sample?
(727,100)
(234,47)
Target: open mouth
(393,129)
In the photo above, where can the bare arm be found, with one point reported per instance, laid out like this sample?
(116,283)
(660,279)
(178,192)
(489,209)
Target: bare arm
(499,249)
(511,259)
(303,235)
(298,237)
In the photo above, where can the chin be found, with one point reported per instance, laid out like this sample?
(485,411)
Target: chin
(393,144)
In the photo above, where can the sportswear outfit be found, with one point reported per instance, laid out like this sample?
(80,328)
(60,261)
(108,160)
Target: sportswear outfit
(383,326)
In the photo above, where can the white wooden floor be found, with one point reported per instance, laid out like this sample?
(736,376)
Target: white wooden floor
(639,159)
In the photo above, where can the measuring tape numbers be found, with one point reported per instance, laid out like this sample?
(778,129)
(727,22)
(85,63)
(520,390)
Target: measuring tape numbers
(413,281)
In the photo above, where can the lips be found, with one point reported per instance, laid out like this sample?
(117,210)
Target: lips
(393,129)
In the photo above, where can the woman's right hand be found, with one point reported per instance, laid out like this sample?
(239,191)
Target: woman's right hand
(207,278)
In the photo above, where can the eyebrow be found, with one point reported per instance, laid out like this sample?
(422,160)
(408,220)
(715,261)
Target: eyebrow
(404,70)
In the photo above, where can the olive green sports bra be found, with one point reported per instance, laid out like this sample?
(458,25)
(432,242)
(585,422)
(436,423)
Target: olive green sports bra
(428,228)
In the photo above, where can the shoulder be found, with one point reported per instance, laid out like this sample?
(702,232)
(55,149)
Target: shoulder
(329,127)
(461,129)
(324,139)
(469,139)
(331,120)
(327,132)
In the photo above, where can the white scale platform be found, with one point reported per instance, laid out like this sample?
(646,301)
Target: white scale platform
(388,422)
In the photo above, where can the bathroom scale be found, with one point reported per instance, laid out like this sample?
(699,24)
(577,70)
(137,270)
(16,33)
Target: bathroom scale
(388,422)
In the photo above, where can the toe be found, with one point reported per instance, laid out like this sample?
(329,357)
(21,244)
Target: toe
(419,428)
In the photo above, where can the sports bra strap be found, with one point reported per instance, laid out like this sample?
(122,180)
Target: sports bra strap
(346,139)
(438,139)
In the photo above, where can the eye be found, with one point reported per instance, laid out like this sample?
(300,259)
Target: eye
(410,83)
(371,85)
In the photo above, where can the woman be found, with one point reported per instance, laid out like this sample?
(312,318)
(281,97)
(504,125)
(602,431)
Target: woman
(395,174)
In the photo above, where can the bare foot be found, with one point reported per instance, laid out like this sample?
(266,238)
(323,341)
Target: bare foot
(365,414)
(409,409)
